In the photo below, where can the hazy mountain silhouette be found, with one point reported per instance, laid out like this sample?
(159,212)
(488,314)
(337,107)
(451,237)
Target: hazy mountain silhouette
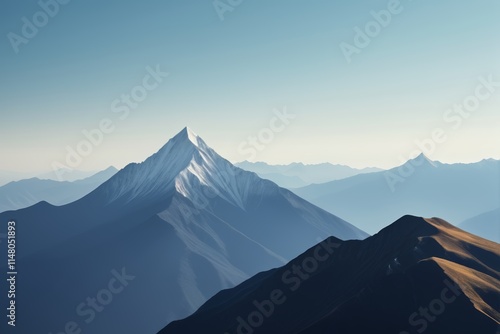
(21,194)
(297,174)
(454,192)
(62,174)
(185,223)
(486,225)
(66,174)
(416,275)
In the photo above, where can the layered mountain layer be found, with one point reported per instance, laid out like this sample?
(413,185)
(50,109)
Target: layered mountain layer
(416,275)
(422,187)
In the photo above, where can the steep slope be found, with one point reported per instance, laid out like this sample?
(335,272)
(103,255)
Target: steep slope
(184,223)
(21,194)
(297,175)
(413,276)
(420,187)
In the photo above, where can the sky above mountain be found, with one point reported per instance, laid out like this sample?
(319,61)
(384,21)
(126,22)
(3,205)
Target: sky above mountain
(234,72)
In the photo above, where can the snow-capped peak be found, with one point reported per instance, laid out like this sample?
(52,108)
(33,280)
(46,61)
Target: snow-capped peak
(188,134)
(186,165)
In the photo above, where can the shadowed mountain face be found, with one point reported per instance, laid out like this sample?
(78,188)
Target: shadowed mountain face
(24,193)
(416,275)
(155,241)
(454,192)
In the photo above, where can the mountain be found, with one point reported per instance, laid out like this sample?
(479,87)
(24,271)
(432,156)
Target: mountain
(297,175)
(486,225)
(66,174)
(155,241)
(21,194)
(63,174)
(419,187)
(9,176)
(416,275)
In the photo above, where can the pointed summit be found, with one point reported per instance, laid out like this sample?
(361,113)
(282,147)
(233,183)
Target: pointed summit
(184,154)
(422,160)
(423,156)
(187,134)
(193,137)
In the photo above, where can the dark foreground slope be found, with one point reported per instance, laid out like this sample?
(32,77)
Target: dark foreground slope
(416,275)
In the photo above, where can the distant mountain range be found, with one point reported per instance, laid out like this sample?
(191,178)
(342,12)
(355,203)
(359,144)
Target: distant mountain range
(297,175)
(454,192)
(415,276)
(21,194)
(165,234)
(486,225)
(63,174)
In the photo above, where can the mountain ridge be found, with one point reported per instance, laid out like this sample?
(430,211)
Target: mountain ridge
(298,174)
(24,193)
(375,284)
(453,191)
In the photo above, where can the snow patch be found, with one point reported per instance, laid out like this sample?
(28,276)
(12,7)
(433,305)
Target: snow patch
(193,137)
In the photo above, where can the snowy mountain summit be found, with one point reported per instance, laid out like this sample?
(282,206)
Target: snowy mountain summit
(186,165)
(207,169)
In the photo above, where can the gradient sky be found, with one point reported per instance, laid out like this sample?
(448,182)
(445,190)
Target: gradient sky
(226,78)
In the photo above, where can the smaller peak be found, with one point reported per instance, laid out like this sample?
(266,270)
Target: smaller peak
(409,224)
(422,156)
(422,159)
(110,169)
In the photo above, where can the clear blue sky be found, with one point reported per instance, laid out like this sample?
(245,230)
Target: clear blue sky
(226,77)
